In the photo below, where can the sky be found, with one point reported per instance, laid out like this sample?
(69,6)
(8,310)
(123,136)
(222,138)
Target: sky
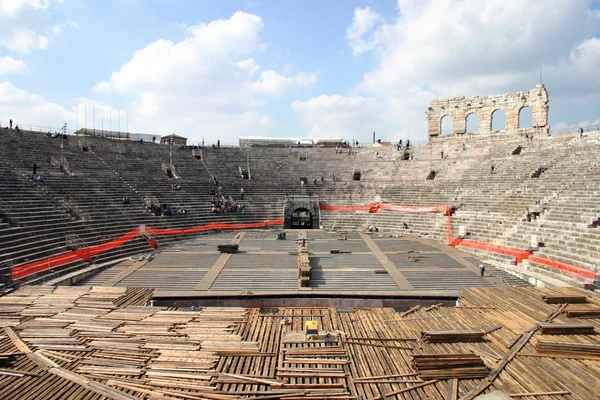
(218,70)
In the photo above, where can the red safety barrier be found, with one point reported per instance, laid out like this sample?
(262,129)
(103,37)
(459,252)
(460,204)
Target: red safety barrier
(22,271)
(42,265)
(375,207)
(328,207)
(85,254)
(428,209)
(561,266)
(494,248)
(213,226)
(519,254)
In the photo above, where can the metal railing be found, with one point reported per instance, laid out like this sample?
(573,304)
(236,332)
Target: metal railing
(574,130)
(74,242)
(84,144)
(62,166)
(5,211)
(150,201)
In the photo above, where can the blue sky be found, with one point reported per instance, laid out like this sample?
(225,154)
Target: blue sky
(222,69)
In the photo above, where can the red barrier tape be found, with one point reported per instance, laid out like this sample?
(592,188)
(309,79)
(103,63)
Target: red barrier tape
(510,251)
(561,266)
(375,207)
(52,262)
(519,254)
(25,270)
(327,207)
(214,226)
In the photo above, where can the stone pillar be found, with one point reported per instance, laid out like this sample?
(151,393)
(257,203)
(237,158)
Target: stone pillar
(459,121)
(511,118)
(434,124)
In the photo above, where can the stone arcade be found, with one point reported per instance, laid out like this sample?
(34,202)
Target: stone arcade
(301,212)
(459,108)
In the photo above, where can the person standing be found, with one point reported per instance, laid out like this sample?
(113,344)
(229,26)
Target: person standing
(242,193)
(34,170)
(482,269)
(11,124)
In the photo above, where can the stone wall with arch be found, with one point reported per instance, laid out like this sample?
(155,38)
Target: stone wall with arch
(459,108)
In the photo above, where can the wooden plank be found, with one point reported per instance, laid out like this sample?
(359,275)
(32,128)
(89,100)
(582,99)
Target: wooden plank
(452,389)
(396,392)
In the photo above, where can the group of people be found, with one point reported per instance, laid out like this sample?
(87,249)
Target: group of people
(532,215)
(35,177)
(221,204)
(315,181)
(342,149)
(10,126)
(176,187)
(165,210)
(400,146)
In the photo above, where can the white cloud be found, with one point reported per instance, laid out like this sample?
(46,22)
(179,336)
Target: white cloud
(363,22)
(25,27)
(449,48)
(26,108)
(9,65)
(207,83)
(12,8)
(273,84)
(24,40)
(350,117)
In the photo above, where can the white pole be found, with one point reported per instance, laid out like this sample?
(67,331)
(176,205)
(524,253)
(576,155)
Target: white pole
(102,113)
(77,123)
(85,116)
(119,124)
(94,115)
(127,123)
(110,120)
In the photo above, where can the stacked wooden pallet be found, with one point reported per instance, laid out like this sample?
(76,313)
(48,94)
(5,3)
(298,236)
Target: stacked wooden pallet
(447,366)
(453,336)
(566,329)
(135,297)
(320,367)
(568,349)
(52,339)
(563,299)
(304,268)
(101,297)
(591,312)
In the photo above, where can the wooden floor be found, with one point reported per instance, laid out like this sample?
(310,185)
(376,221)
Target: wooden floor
(375,263)
(97,343)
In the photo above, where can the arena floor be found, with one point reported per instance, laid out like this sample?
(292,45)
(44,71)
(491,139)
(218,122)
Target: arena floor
(369,266)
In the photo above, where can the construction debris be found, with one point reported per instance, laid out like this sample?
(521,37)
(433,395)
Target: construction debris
(566,329)
(583,312)
(448,366)
(560,299)
(569,349)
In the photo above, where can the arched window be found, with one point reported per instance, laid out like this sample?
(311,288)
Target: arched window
(498,120)
(525,117)
(447,126)
(472,123)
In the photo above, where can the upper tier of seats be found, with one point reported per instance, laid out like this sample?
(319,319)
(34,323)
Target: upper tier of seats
(560,173)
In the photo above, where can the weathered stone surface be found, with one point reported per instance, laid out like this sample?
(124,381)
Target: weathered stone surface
(459,108)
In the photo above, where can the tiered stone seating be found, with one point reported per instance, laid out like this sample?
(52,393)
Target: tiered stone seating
(562,174)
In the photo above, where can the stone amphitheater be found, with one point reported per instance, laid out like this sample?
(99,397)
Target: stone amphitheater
(400,234)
